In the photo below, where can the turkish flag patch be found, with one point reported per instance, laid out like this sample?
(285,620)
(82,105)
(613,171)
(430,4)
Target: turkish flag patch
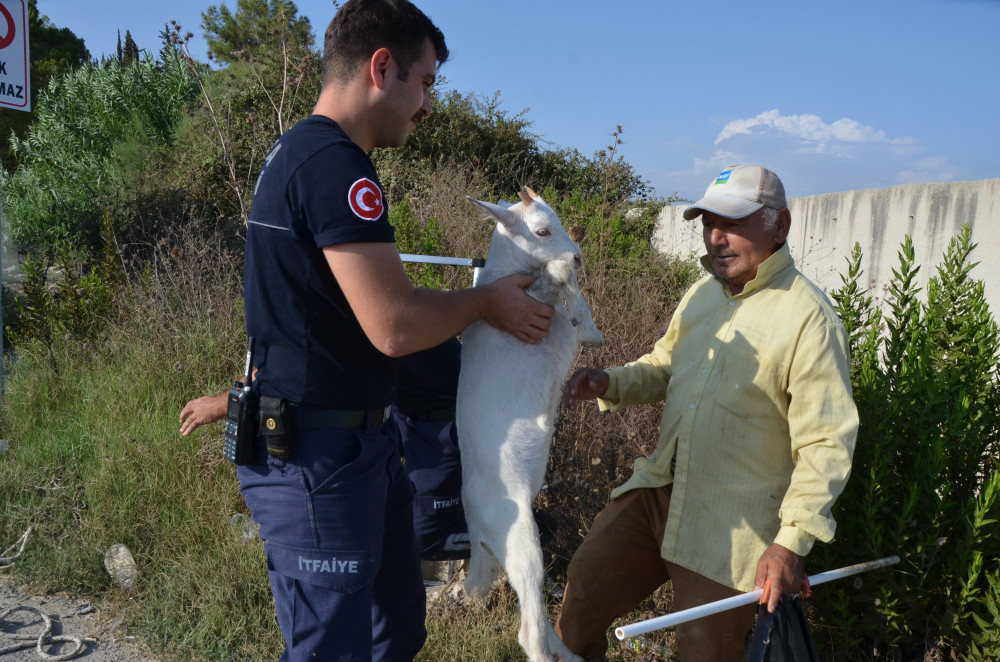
(365,199)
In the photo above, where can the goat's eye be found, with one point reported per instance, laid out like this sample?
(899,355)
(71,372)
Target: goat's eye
(543,232)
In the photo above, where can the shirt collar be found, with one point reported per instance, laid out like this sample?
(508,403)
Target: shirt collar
(777,262)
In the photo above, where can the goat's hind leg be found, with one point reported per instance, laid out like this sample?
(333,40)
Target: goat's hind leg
(526,574)
(484,569)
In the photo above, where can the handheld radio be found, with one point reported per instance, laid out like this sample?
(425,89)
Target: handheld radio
(241,417)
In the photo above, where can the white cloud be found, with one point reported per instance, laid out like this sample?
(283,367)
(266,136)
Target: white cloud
(811,156)
(930,169)
(814,135)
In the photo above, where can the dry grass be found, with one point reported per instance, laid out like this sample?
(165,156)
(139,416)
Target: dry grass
(95,457)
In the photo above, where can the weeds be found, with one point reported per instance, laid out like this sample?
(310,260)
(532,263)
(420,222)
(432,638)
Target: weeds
(925,480)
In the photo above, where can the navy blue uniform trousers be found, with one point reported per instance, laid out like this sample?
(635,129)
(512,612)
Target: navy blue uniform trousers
(337,525)
(434,466)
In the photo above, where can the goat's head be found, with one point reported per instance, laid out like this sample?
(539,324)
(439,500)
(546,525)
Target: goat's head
(528,234)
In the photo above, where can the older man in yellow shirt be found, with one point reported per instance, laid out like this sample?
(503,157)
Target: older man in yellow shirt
(755,444)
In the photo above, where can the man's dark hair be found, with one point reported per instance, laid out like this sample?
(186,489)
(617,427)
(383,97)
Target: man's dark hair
(361,27)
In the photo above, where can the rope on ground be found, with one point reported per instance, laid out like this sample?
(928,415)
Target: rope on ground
(43,639)
(8,561)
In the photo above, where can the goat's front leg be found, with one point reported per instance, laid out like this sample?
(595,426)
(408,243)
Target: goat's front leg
(560,275)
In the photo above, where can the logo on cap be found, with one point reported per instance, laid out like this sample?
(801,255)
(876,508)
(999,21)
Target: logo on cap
(723,176)
(365,199)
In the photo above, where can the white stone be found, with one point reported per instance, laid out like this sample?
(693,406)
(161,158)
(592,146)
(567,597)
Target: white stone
(121,566)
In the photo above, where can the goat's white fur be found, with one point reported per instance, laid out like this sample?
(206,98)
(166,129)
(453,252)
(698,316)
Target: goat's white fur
(508,399)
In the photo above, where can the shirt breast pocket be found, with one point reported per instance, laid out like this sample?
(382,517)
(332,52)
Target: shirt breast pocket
(749,384)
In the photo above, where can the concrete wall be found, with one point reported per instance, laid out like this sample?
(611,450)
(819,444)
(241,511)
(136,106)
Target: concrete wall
(826,227)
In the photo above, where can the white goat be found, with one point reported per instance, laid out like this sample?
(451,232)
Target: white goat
(508,398)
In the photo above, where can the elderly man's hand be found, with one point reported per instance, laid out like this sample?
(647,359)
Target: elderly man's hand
(786,571)
(585,384)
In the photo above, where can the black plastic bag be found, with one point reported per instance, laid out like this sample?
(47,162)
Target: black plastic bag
(782,636)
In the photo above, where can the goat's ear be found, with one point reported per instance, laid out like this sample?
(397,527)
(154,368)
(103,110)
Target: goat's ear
(500,214)
(503,203)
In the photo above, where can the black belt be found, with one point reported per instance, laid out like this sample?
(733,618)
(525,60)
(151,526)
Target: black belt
(326,419)
(443,414)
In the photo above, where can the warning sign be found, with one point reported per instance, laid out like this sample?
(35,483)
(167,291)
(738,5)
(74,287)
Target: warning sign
(14,78)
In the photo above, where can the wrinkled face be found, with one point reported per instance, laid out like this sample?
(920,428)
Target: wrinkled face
(737,247)
(408,101)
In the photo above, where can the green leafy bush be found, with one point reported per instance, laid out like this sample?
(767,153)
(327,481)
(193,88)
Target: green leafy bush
(419,239)
(925,483)
(78,301)
(96,126)
(468,131)
(476,133)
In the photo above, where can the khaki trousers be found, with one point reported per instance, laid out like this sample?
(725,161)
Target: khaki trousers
(619,564)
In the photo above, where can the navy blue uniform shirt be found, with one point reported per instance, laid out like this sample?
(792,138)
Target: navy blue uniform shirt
(428,380)
(317,189)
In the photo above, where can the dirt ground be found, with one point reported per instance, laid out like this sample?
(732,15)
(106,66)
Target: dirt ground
(102,638)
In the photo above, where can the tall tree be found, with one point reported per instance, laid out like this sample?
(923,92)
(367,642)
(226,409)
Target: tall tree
(52,51)
(257,27)
(128,53)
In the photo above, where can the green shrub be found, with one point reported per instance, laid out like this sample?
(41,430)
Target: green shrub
(467,131)
(925,483)
(418,238)
(95,127)
(78,304)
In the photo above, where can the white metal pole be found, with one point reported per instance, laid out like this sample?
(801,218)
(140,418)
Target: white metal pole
(668,620)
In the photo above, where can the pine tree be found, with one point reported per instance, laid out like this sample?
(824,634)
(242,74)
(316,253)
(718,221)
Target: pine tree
(131,51)
(257,28)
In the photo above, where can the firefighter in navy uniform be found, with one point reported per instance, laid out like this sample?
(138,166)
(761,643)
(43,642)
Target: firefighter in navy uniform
(330,306)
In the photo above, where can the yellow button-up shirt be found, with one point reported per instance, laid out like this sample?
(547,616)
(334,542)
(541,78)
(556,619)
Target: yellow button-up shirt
(758,413)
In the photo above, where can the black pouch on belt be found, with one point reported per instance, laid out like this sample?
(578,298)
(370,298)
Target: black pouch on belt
(276,424)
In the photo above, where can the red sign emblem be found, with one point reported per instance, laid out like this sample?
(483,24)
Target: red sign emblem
(11,30)
(365,199)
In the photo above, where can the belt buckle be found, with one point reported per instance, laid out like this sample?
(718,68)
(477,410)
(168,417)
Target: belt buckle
(371,422)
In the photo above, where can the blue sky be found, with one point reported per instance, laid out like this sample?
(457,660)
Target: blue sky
(832,96)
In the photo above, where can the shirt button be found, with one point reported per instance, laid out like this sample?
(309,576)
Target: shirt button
(705,371)
(691,406)
(732,303)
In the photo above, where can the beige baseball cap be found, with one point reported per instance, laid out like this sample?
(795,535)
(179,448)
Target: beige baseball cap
(739,191)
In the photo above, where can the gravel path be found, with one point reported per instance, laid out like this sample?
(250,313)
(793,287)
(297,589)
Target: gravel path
(103,639)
